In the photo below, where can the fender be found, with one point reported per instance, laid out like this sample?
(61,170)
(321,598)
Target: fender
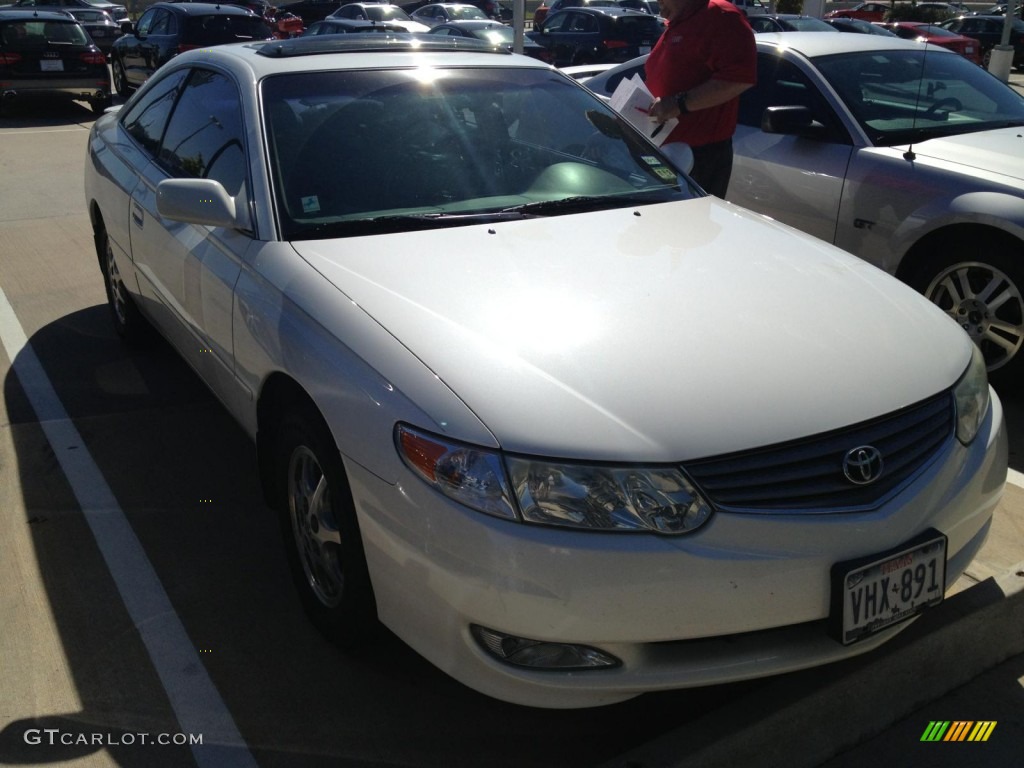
(998,210)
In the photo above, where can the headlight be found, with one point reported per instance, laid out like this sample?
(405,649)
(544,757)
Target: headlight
(582,496)
(971,394)
(607,498)
(470,475)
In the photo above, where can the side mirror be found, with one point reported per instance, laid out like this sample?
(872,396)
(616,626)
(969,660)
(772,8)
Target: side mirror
(127,28)
(794,120)
(199,201)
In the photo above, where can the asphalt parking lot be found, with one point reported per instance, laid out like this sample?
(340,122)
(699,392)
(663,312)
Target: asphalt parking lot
(71,661)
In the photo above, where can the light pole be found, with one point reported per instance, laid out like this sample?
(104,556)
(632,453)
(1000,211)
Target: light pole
(1001,58)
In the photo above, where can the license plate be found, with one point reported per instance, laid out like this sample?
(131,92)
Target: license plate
(51,65)
(876,592)
(645,49)
(969,49)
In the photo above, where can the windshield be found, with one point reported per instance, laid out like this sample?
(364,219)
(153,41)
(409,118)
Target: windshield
(904,96)
(466,12)
(499,34)
(387,13)
(40,34)
(415,148)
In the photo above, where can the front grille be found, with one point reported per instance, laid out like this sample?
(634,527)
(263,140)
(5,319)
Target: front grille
(807,475)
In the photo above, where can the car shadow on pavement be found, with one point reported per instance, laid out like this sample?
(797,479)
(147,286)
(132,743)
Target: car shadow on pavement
(185,476)
(39,113)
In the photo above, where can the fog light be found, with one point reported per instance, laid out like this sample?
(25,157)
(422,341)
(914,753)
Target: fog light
(538,654)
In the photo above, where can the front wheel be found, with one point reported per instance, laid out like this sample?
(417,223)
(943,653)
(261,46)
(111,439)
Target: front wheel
(984,297)
(321,533)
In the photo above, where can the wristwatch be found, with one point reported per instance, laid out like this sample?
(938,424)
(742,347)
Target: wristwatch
(681,103)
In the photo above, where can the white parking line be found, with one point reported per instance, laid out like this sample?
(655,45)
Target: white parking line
(76,129)
(196,702)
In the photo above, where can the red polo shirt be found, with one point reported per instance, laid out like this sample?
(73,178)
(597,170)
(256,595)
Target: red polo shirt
(714,43)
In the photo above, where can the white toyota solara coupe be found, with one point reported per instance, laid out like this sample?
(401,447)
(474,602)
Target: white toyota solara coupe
(520,392)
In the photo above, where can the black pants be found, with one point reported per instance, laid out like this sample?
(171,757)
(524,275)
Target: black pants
(712,167)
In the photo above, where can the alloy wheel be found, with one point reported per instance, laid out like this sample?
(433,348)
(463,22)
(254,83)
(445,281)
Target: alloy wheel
(315,526)
(986,303)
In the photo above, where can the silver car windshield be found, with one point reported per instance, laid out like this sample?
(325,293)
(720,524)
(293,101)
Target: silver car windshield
(366,152)
(904,96)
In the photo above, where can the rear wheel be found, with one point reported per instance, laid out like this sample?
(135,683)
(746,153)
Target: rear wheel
(128,321)
(99,106)
(984,296)
(321,533)
(120,79)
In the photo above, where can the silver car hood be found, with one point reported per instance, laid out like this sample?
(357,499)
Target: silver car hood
(656,334)
(999,152)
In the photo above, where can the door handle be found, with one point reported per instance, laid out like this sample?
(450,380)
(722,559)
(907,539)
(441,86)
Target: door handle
(137,213)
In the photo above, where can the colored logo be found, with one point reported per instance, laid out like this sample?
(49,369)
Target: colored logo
(958,730)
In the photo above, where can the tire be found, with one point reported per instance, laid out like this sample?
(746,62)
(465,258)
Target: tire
(99,106)
(129,323)
(984,296)
(321,533)
(120,78)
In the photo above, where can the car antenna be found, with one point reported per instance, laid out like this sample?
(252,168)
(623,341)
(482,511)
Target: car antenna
(909,154)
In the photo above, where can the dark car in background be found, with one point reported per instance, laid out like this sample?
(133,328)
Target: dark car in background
(283,23)
(865,11)
(331,26)
(491,31)
(117,12)
(593,35)
(788,22)
(166,29)
(100,25)
(382,13)
(545,9)
(50,55)
(440,13)
(858,26)
(988,31)
(492,8)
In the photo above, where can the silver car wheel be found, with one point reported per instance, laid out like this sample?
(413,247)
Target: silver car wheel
(118,298)
(315,527)
(986,303)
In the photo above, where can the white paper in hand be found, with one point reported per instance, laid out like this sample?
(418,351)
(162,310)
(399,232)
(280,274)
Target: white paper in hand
(632,100)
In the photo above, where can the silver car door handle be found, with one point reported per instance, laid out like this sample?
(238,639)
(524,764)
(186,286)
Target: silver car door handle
(137,213)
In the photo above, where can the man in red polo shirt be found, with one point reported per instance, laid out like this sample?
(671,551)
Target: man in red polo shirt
(701,64)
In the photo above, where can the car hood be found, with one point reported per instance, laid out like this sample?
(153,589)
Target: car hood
(660,333)
(999,152)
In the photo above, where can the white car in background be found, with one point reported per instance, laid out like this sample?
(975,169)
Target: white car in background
(905,154)
(570,428)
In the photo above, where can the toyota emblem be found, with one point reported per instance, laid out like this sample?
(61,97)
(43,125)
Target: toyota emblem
(863,465)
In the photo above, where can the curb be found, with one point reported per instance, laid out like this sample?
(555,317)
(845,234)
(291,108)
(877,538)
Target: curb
(805,718)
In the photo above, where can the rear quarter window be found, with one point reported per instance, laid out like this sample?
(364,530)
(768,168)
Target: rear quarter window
(639,26)
(217,30)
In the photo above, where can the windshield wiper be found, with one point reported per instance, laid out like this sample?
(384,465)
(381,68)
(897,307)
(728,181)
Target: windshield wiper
(580,204)
(408,222)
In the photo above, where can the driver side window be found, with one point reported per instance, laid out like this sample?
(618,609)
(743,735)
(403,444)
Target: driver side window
(780,83)
(205,138)
(146,22)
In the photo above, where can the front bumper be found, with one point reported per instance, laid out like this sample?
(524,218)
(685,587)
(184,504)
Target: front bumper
(745,597)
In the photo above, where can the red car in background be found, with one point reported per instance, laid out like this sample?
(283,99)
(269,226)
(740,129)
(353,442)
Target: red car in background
(930,33)
(865,11)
